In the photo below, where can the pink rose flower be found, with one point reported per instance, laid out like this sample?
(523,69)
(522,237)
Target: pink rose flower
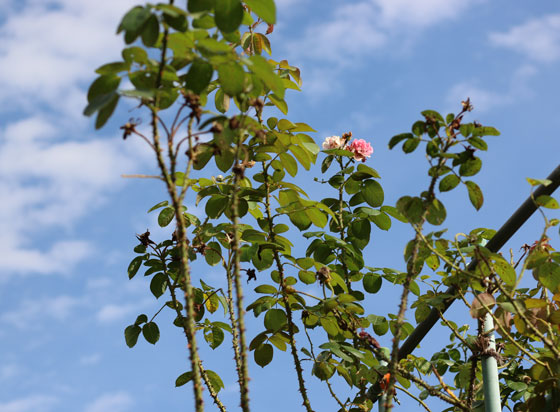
(333,142)
(361,149)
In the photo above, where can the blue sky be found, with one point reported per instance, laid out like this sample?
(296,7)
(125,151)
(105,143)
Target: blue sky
(67,218)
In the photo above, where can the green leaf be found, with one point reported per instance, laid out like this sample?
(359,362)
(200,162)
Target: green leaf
(195,6)
(157,206)
(289,164)
(547,201)
(103,85)
(475,194)
(275,319)
(214,336)
(536,182)
(158,285)
(505,270)
(131,334)
(265,9)
(228,15)
(134,19)
(215,380)
(307,277)
(368,170)
(279,103)
(266,289)
(260,66)
(372,193)
(548,274)
(372,282)
(478,143)
(411,207)
(151,332)
(470,167)
(212,253)
(399,138)
(150,34)
(448,183)
(382,221)
(215,206)
(436,213)
(330,326)
(166,216)
(199,75)
(221,101)
(183,379)
(106,112)
(232,78)
(411,144)
(134,266)
(99,102)
(263,354)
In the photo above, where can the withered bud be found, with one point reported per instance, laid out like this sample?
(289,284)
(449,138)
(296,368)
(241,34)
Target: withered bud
(476,124)
(526,379)
(346,136)
(217,128)
(128,128)
(467,106)
(249,164)
(261,134)
(251,275)
(196,113)
(239,169)
(191,99)
(323,275)
(233,123)
(257,104)
(270,29)
(144,238)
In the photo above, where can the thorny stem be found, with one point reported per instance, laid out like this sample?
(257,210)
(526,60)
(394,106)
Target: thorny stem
(285,298)
(234,325)
(244,382)
(203,373)
(190,330)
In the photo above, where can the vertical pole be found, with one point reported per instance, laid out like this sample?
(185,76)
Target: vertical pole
(383,399)
(490,370)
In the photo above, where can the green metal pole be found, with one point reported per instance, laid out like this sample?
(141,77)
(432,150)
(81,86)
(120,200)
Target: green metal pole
(490,370)
(383,398)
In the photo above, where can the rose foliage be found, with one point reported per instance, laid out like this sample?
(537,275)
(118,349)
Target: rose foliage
(212,102)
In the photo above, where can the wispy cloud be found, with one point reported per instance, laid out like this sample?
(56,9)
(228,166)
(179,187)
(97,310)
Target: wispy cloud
(538,39)
(114,402)
(33,403)
(356,31)
(57,308)
(485,99)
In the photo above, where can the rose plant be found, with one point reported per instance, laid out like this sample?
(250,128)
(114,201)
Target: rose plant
(214,102)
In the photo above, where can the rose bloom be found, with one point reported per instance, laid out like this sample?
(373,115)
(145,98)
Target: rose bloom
(333,142)
(361,149)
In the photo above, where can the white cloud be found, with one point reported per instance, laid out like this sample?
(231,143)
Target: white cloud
(52,183)
(33,403)
(26,315)
(115,312)
(485,99)
(114,402)
(92,359)
(49,48)
(539,38)
(357,30)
